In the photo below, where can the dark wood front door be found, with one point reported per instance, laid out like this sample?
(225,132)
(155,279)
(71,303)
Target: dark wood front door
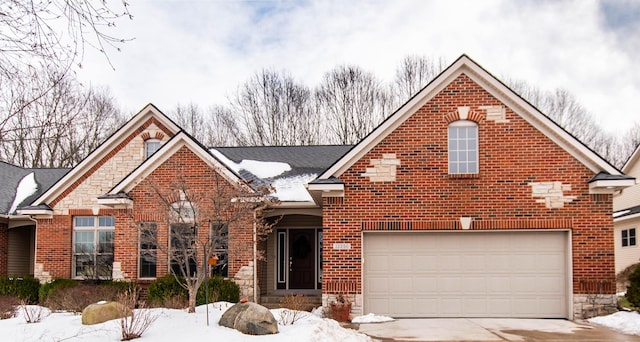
(302,259)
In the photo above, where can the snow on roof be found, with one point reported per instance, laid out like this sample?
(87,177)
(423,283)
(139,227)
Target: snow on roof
(620,213)
(289,188)
(262,169)
(26,188)
(292,189)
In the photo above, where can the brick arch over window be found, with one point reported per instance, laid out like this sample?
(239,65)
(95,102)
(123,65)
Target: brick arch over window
(147,135)
(464,113)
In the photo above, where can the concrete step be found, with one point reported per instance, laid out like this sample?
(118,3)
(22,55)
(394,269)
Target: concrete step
(306,303)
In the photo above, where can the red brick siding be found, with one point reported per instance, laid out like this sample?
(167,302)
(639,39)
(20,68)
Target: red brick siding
(54,236)
(53,245)
(511,155)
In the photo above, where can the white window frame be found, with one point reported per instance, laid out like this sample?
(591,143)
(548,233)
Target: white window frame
(151,226)
(155,143)
(630,240)
(463,148)
(96,229)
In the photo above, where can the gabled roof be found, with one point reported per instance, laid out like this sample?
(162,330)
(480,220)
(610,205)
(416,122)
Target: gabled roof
(287,168)
(465,65)
(11,177)
(633,159)
(626,214)
(163,154)
(148,112)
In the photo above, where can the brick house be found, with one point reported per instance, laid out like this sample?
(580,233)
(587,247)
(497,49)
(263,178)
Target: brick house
(626,218)
(466,202)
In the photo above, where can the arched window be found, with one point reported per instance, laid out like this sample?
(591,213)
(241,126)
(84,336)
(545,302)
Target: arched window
(463,147)
(150,147)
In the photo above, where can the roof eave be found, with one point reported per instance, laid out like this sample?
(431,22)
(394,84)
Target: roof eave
(609,186)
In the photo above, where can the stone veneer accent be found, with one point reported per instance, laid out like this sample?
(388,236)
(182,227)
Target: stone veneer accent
(552,193)
(356,302)
(495,113)
(117,273)
(41,274)
(244,279)
(103,179)
(591,305)
(383,170)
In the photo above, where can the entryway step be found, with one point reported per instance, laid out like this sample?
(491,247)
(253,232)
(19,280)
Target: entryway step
(306,302)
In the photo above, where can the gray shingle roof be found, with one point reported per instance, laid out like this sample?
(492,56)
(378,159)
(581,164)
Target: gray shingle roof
(302,159)
(12,175)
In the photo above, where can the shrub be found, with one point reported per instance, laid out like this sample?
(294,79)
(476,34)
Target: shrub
(134,325)
(50,287)
(220,289)
(76,298)
(167,292)
(8,306)
(24,288)
(633,290)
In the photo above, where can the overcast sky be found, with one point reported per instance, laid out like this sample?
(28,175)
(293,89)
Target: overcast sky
(201,51)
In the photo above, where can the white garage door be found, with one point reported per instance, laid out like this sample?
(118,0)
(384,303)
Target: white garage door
(466,274)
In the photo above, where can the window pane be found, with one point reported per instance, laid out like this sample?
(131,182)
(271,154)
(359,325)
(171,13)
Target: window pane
(105,243)
(83,265)
(104,265)
(83,242)
(472,167)
(472,132)
(453,145)
(453,133)
(107,221)
(84,221)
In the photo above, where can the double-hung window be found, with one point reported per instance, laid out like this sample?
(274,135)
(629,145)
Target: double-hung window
(463,147)
(220,248)
(148,250)
(628,237)
(93,246)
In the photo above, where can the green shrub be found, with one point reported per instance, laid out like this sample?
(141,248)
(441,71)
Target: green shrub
(59,283)
(220,289)
(633,290)
(164,289)
(25,288)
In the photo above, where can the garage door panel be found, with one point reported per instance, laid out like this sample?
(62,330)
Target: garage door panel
(471,274)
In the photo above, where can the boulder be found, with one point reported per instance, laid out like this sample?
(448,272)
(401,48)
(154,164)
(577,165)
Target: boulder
(250,318)
(104,311)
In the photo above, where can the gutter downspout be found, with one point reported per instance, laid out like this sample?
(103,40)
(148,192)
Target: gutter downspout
(255,258)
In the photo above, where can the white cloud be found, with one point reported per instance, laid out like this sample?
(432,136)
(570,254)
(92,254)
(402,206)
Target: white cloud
(201,51)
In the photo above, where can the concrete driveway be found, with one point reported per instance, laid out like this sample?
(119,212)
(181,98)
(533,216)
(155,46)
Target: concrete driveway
(486,329)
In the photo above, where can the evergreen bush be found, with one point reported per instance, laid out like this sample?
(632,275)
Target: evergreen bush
(633,290)
(24,288)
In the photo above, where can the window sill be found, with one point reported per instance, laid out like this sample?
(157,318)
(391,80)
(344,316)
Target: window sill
(463,175)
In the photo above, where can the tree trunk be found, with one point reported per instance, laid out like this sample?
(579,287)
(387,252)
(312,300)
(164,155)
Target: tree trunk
(192,300)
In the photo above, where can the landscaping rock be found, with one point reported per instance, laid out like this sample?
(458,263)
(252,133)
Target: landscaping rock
(103,311)
(250,318)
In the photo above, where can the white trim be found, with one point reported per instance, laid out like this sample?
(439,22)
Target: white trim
(149,111)
(127,202)
(624,218)
(632,160)
(609,186)
(167,151)
(325,187)
(489,83)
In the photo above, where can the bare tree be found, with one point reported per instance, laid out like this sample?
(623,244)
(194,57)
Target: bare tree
(275,110)
(198,223)
(413,73)
(59,128)
(43,39)
(352,101)
(563,108)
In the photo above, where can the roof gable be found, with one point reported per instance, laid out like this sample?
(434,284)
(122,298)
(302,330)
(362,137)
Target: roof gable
(464,65)
(180,140)
(149,114)
(632,166)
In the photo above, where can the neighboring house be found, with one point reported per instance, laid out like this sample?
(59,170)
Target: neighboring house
(466,202)
(19,187)
(626,217)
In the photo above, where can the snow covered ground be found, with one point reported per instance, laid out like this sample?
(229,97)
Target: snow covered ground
(177,325)
(172,325)
(627,322)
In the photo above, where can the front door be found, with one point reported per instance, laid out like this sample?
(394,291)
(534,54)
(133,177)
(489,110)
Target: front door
(302,258)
